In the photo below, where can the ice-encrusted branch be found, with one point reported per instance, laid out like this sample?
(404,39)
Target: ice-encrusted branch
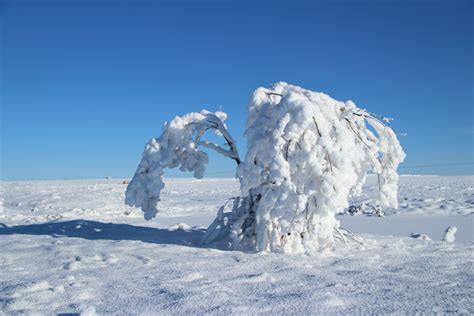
(178,146)
(215,122)
(220,150)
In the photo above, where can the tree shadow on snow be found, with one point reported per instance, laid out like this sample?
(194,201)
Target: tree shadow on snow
(93,230)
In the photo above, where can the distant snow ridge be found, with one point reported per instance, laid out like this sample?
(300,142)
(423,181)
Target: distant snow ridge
(306,155)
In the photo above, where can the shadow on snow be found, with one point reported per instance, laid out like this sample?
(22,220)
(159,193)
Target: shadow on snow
(93,230)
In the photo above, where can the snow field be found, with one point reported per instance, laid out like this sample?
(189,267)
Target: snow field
(82,251)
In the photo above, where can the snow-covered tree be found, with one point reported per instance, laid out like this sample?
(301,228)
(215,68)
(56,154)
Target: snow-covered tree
(306,155)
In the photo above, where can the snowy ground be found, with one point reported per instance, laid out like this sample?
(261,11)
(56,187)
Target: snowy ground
(74,247)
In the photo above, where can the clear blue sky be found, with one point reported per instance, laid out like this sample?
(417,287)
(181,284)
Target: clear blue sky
(85,84)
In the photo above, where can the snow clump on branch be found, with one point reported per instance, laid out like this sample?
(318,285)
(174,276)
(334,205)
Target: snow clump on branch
(177,147)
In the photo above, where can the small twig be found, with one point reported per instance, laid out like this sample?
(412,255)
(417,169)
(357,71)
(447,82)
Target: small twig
(378,158)
(287,149)
(274,93)
(317,128)
(330,164)
(357,134)
(348,234)
(372,117)
(328,158)
(341,235)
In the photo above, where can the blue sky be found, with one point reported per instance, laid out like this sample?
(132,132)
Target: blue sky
(85,84)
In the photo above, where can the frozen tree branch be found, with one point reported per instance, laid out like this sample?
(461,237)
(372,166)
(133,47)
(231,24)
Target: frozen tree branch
(178,146)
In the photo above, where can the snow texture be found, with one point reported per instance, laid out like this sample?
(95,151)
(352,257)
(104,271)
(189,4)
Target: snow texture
(81,250)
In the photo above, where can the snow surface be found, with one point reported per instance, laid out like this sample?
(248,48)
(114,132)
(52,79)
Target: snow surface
(74,247)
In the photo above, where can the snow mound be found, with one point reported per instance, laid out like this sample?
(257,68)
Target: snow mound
(420,236)
(449,234)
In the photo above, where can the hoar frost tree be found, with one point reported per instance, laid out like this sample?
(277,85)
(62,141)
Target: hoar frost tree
(306,155)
